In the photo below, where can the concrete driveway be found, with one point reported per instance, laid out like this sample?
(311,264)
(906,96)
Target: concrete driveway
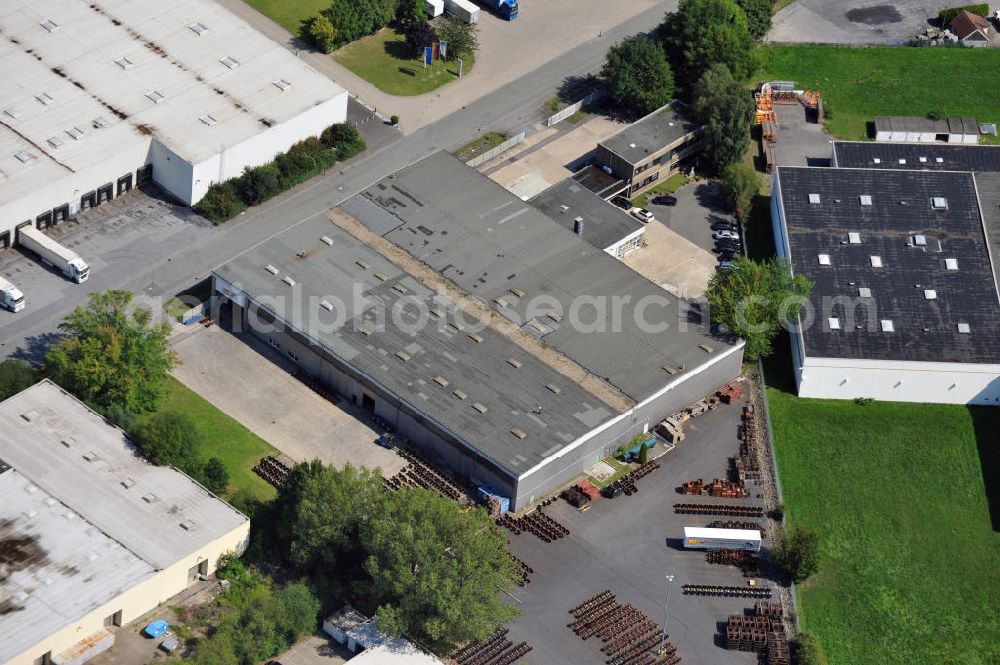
(852,21)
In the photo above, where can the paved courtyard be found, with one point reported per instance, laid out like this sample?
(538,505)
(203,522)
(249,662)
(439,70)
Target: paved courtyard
(627,545)
(246,380)
(853,21)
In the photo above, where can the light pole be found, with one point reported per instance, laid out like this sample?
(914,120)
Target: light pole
(666,599)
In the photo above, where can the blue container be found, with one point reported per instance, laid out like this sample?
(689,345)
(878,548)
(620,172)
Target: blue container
(156,629)
(486,492)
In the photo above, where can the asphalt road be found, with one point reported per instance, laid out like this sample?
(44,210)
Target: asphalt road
(189,255)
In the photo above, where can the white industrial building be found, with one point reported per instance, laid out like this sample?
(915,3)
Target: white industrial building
(906,129)
(99,95)
(905,305)
(92,536)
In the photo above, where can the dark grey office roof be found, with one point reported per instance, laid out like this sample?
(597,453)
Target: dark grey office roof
(603,224)
(515,397)
(925,329)
(495,246)
(903,123)
(650,133)
(596,180)
(917,156)
(988,187)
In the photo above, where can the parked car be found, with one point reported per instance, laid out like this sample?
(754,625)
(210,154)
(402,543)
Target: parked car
(727,253)
(643,215)
(722,249)
(723,226)
(622,202)
(664,200)
(725,264)
(718,235)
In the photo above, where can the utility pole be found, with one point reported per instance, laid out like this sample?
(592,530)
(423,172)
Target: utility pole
(666,599)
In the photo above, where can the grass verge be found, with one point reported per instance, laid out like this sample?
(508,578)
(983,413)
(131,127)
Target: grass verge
(237,447)
(909,559)
(859,83)
(289,15)
(668,186)
(621,468)
(478,146)
(384,60)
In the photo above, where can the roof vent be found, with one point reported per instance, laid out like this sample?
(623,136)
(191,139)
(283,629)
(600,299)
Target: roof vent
(441,381)
(814,199)
(288,280)
(49,25)
(327,239)
(232,63)
(75,133)
(128,483)
(519,433)
(55,141)
(480,407)
(188,525)
(460,394)
(923,160)
(824,259)
(834,323)
(939,160)
(90,456)
(864,292)
(325,304)
(930,294)
(124,63)
(22,156)
(271,269)
(30,415)
(514,362)
(69,441)
(854,238)
(553,388)
(362,264)
(670,369)
(45,98)
(706,348)
(154,96)
(632,145)
(365,330)
(876,261)
(380,276)
(920,240)
(403,355)
(399,288)
(208,120)
(887,325)
(866,200)
(149,498)
(877,160)
(12,113)
(951,264)
(517,292)
(964,328)
(199,28)
(475,337)
(281,84)
(939,203)
(100,121)
(902,161)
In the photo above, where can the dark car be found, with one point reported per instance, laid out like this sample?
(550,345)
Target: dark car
(664,200)
(723,226)
(728,242)
(622,202)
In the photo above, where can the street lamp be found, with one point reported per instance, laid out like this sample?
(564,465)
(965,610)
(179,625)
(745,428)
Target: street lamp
(666,598)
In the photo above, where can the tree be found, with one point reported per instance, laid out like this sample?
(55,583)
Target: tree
(221,202)
(740,183)
(170,438)
(806,650)
(754,299)
(218,649)
(419,35)
(797,552)
(725,111)
(345,19)
(702,33)
(437,571)
(638,75)
(344,139)
(112,354)
(323,33)
(758,13)
(296,611)
(410,12)
(259,183)
(214,476)
(462,37)
(15,376)
(643,453)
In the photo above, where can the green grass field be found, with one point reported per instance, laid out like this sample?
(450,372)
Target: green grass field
(237,447)
(910,561)
(384,60)
(289,14)
(859,83)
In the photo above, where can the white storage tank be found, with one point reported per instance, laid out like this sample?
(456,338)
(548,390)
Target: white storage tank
(433,8)
(697,538)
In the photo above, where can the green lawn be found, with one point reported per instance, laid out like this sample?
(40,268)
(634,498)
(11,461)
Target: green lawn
(289,13)
(859,83)
(910,562)
(668,186)
(384,60)
(478,146)
(237,447)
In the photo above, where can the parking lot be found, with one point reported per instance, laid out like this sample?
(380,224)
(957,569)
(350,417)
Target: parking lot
(852,21)
(627,545)
(247,381)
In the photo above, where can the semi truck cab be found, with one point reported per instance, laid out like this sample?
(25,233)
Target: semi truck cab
(508,9)
(11,298)
(79,271)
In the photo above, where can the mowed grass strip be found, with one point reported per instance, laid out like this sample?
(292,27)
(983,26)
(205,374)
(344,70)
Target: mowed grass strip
(385,61)
(237,447)
(910,561)
(290,14)
(860,83)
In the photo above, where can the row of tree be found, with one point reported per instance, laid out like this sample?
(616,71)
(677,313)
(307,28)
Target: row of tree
(346,20)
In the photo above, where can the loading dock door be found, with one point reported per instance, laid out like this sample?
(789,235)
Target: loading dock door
(88,200)
(124,184)
(60,214)
(44,220)
(105,193)
(5,240)
(144,175)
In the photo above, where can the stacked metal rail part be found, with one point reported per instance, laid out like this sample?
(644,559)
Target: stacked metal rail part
(536,522)
(747,562)
(761,632)
(746,461)
(630,637)
(272,470)
(626,484)
(720,489)
(720,509)
(420,474)
(495,650)
(524,571)
(737,524)
(726,591)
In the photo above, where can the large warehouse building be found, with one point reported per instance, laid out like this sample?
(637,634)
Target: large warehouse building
(500,363)
(902,243)
(99,95)
(91,535)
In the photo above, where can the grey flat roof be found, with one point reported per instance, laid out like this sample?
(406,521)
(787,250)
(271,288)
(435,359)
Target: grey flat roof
(603,224)
(357,279)
(596,180)
(492,245)
(924,329)
(917,156)
(650,133)
(85,536)
(903,123)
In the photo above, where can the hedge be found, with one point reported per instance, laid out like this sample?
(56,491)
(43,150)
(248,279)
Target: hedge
(307,158)
(947,15)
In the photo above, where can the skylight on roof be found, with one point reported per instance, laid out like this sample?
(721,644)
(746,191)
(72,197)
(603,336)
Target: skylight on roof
(902,161)
(75,133)
(45,98)
(865,199)
(100,121)
(49,25)
(939,203)
(939,160)
(22,156)
(208,120)
(864,292)
(199,28)
(923,160)
(232,63)
(814,199)
(124,63)
(951,264)
(155,96)
(930,294)
(964,328)
(834,323)
(877,160)
(281,84)
(876,261)
(824,259)
(854,238)
(920,240)
(54,141)
(12,113)
(887,326)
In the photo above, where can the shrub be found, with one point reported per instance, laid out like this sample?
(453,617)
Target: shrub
(344,139)
(170,438)
(15,376)
(946,15)
(221,202)
(258,183)
(323,33)
(806,650)
(797,551)
(394,120)
(214,476)
(643,453)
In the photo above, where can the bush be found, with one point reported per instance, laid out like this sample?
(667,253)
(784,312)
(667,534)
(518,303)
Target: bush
(394,120)
(323,33)
(797,551)
(170,438)
(946,15)
(15,376)
(258,183)
(344,139)
(214,476)
(643,453)
(806,650)
(221,202)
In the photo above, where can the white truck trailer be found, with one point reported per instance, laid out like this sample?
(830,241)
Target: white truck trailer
(66,260)
(10,296)
(463,9)
(696,538)
(433,8)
